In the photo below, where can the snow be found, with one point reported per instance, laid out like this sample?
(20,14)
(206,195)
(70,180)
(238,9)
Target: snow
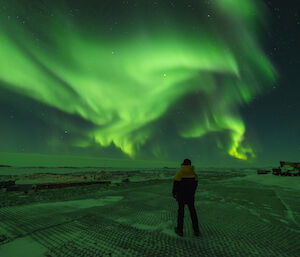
(80,204)
(290,182)
(21,247)
(26,246)
(147,218)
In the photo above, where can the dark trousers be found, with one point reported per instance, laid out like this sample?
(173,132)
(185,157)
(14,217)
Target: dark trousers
(180,218)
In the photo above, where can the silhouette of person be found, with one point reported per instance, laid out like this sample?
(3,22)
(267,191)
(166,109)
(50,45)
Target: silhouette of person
(184,187)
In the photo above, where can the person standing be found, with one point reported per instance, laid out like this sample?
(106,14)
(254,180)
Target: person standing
(184,188)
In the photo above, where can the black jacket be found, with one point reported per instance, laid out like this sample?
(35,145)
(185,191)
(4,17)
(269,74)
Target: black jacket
(185,183)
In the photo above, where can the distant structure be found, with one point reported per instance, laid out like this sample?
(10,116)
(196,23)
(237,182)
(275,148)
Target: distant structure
(7,183)
(283,170)
(263,171)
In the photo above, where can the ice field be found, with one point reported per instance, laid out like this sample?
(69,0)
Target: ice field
(240,214)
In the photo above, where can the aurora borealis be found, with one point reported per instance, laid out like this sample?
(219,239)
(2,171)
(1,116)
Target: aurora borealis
(134,79)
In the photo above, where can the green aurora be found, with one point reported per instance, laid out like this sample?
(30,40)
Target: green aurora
(126,76)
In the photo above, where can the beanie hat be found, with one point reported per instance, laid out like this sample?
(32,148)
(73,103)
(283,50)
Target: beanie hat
(186,162)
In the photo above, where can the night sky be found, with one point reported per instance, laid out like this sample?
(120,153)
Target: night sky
(216,81)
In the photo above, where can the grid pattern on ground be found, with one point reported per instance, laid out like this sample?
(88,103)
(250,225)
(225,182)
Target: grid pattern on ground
(132,227)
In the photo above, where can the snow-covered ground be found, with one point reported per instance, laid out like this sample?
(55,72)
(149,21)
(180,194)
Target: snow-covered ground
(73,175)
(240,213)
(27,245)
(292,182)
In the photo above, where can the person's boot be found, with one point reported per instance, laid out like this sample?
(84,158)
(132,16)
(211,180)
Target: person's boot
(197,233)
(178,232)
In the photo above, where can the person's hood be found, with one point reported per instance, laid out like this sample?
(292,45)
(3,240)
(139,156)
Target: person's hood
(187,168)
(186,171)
